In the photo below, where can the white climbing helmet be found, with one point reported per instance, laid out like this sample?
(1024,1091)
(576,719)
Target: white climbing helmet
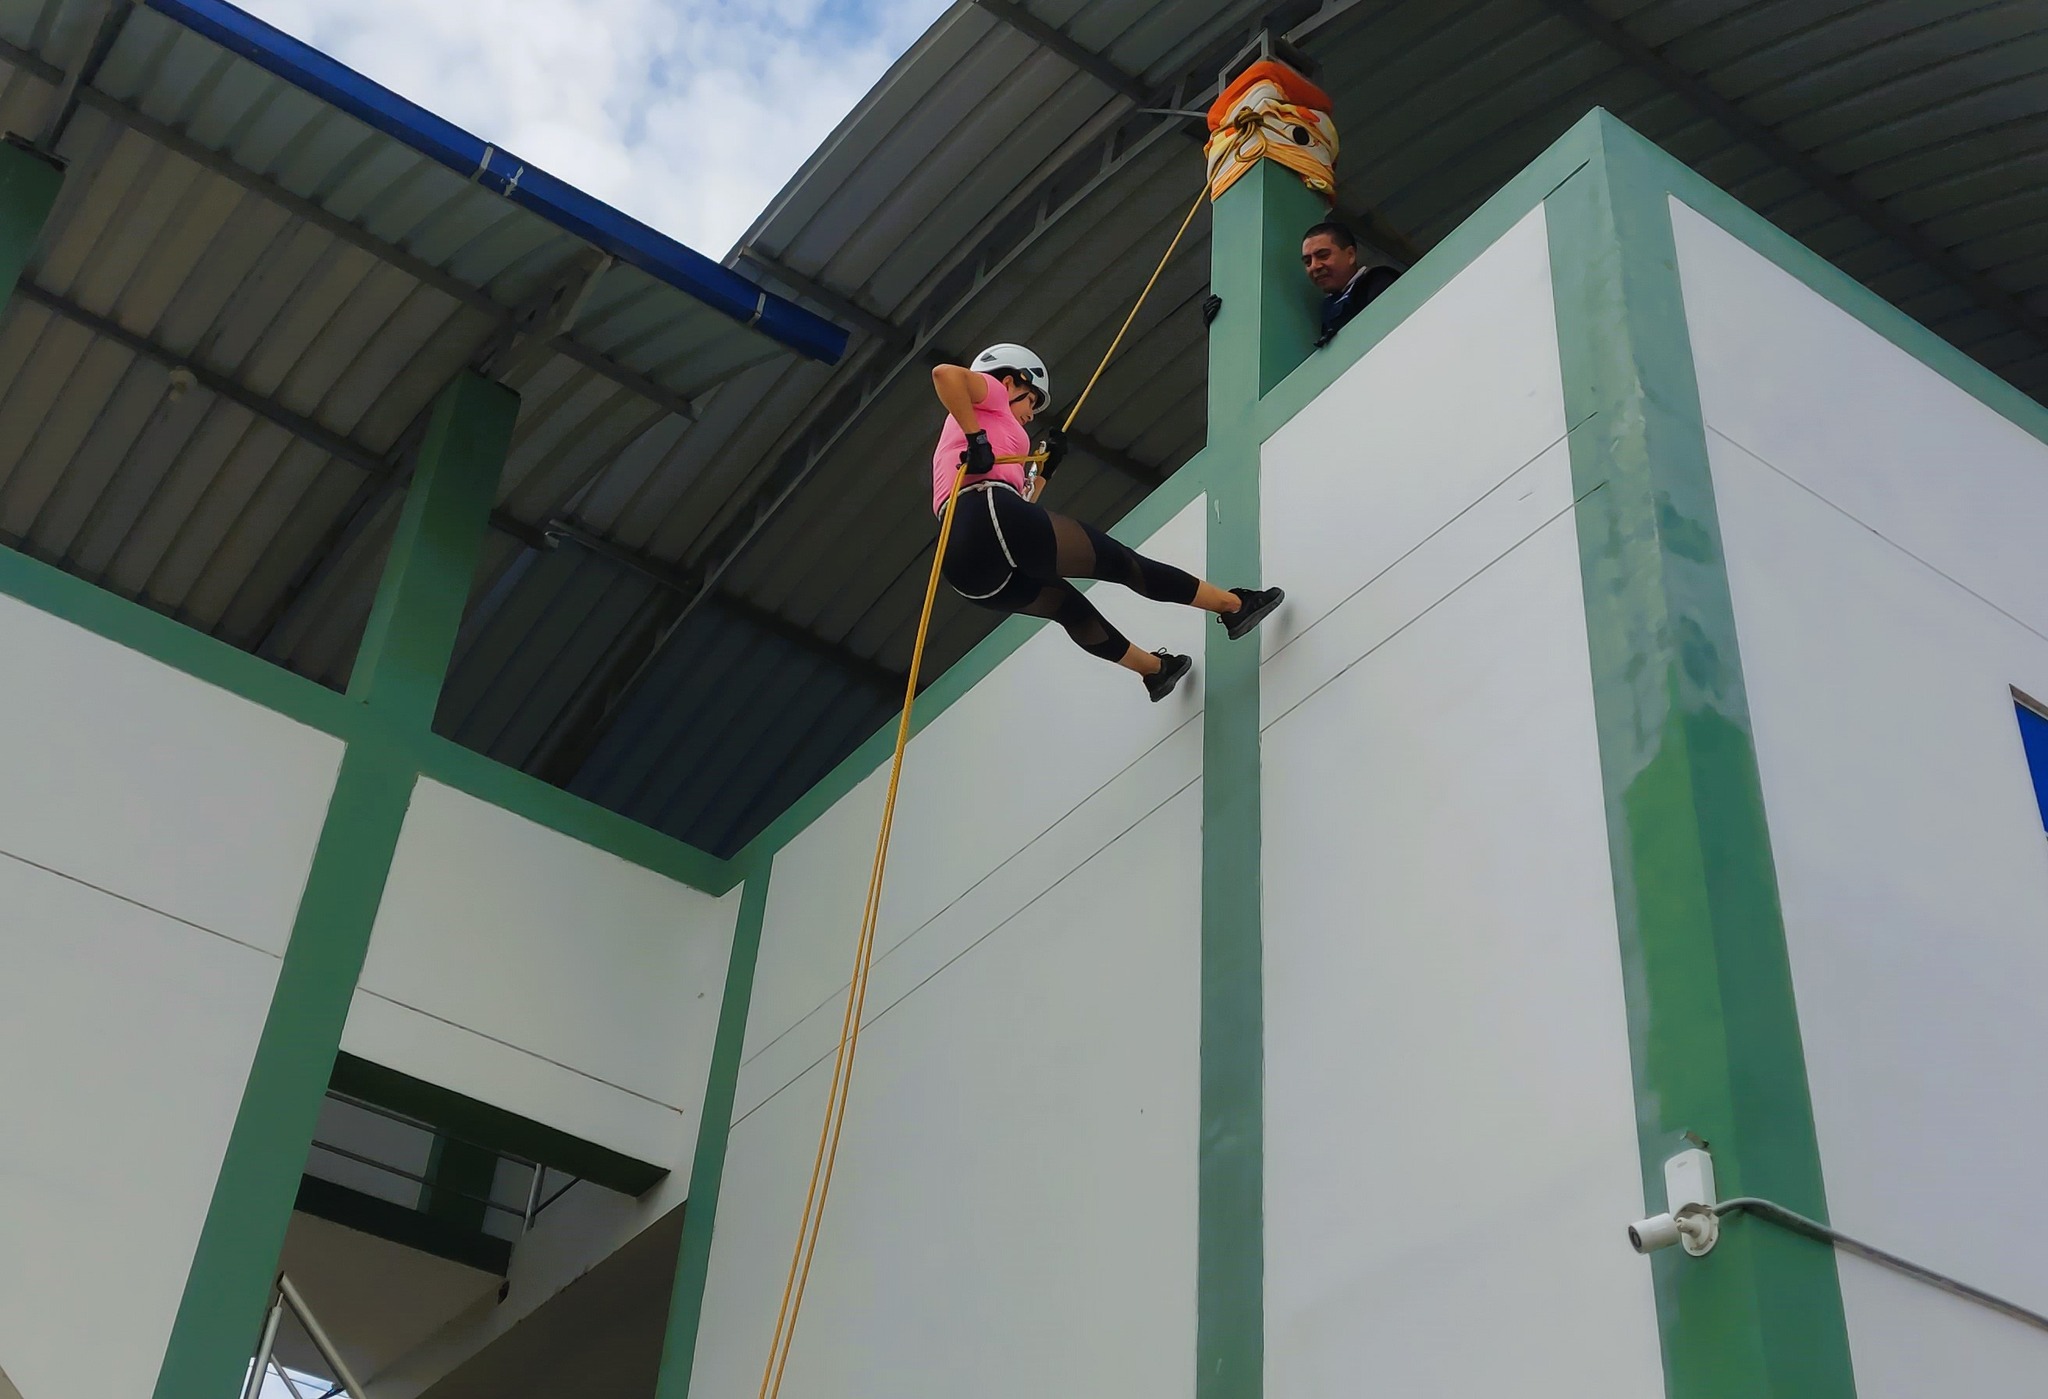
(1021,363)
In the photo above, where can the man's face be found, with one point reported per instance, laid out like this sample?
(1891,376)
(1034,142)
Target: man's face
(1329,266)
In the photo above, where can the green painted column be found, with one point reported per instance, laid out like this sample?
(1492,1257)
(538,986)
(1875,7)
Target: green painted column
(714,1126)
(410,636)
(1713,1025)
(29,181)
(1265,328)
(398,675)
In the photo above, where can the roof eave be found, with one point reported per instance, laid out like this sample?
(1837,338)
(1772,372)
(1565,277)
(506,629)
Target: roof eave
(568,208)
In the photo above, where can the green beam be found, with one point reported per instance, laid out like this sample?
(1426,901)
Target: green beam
(29,181)
(714,1126)
(367,1214)
(410,637)
(399,670)
(459,1179)
(1265,328)
(479,1123)
(1714,1029)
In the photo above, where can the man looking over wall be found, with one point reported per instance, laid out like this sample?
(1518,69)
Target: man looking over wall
(1329,253)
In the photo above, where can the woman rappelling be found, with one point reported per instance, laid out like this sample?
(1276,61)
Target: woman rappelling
(1010,554)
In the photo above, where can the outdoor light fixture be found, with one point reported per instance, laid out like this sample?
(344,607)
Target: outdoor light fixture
(1689,1217)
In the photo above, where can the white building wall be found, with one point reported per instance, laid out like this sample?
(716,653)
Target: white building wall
(1013,1212)
(544,976)
(547,977)
(1450,1145)
(155,835)
(1884,539)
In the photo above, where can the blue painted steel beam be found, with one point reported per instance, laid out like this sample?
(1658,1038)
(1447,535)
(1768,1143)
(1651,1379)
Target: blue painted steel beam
(568,208)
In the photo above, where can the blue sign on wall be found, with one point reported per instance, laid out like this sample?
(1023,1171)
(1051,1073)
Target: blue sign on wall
(2034,735)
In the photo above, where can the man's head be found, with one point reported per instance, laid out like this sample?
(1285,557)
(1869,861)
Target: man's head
(1329,254)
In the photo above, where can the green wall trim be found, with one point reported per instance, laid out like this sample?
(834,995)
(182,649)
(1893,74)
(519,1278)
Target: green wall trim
(379,1218)
(29,181)
(1713,1025)
(266,1151)
(481,1124)
(49,589)
(447,762)
(714,1130)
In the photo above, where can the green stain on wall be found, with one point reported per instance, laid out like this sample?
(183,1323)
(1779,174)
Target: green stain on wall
(1713,1025)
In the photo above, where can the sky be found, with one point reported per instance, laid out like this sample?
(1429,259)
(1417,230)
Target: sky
(688,114)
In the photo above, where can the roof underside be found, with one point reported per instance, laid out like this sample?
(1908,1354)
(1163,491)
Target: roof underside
(719,611)
(215,372)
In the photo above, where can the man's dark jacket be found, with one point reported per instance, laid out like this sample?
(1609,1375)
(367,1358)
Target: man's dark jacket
(1340,306)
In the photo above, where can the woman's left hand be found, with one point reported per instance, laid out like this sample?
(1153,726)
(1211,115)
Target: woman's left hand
(1055,450)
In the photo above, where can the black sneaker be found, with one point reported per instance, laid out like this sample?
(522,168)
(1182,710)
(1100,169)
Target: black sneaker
(1160,683)
(1257,602)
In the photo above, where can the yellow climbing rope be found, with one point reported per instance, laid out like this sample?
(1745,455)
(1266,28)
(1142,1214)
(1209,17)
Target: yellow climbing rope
(856,993)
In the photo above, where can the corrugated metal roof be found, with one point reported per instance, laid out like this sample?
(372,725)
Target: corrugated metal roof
(319,271)
(745,590)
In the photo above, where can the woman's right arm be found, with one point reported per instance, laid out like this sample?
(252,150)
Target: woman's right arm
(959,389)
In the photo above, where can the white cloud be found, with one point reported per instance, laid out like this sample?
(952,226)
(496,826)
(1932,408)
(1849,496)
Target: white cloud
(688,114)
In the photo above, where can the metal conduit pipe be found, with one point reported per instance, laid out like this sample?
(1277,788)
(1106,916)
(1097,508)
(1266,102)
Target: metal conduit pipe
(264,1347)
(321,1341)
(1821,1233)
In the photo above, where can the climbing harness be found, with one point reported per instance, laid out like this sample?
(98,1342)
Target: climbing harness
(1271,112)
(812,1221)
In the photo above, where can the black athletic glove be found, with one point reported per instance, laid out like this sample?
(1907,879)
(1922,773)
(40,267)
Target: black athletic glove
(1055,451)
(979,456)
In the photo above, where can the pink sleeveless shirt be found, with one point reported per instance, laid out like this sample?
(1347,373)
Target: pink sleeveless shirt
(1005,434)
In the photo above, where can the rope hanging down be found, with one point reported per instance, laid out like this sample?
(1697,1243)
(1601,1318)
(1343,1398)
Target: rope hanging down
(864,952)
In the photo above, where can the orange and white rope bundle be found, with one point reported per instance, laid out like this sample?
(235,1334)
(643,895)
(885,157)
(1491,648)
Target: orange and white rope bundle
(1273,113)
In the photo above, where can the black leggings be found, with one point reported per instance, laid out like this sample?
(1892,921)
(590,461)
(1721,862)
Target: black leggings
(1013,556)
